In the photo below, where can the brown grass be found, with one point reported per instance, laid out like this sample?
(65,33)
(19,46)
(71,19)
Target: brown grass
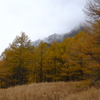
(50,91)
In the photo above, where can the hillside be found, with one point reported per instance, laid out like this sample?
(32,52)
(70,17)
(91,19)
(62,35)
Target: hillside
(59,37)
(50,91)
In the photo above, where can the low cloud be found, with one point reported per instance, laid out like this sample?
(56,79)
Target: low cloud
(38,18)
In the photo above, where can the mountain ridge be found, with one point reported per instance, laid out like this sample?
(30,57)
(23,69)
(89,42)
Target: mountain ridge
(58,37)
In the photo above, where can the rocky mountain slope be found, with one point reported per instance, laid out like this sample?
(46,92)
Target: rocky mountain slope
(58,37)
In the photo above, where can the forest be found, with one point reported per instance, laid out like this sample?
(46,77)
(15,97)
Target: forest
(76,58)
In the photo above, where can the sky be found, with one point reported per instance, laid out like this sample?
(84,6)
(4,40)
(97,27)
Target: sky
(38,18)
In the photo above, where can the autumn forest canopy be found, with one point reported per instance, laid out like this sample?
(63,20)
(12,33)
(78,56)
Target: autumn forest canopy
(76,58)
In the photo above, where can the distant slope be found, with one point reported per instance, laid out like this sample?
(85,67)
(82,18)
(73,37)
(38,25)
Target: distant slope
(58,37)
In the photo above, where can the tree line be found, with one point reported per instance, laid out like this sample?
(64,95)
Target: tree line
(74,59)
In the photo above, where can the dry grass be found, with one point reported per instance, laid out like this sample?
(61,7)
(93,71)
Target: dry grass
(50,91)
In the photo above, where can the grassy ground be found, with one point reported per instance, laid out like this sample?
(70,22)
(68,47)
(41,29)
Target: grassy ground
(51,91)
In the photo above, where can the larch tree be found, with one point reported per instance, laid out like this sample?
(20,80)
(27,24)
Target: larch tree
(92,10)
(39,58)
(53,63)
(17,59)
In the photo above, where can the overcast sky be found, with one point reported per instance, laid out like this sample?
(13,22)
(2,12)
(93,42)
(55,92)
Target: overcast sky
(38,18)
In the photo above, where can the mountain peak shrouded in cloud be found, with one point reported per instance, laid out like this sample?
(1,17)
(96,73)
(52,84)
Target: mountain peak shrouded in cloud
(38,18)
(49,39)
(59,37)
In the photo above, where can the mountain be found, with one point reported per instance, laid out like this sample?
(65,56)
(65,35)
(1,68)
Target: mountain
(58,37)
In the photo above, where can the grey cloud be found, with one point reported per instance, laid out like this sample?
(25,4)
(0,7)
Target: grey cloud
(38,18)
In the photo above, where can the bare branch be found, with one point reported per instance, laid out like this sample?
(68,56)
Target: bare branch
(92,10)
